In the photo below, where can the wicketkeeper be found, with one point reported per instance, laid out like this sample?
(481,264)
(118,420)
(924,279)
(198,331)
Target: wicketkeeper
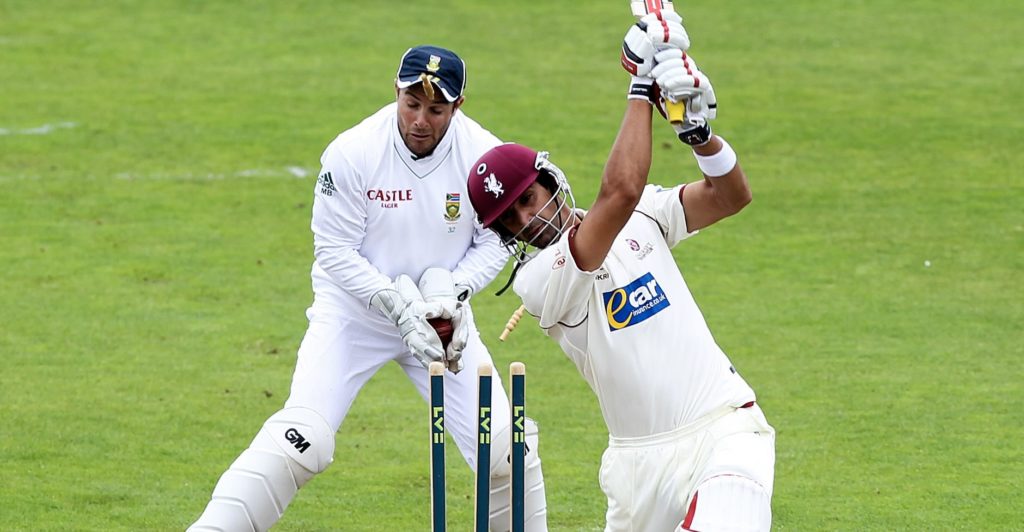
(396,243)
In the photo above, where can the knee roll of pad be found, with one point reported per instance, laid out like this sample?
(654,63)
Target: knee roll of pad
(300,434)
(294,445)
(729,502)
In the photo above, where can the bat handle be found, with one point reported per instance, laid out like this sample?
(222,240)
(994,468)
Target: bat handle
(675,111)
(513,320)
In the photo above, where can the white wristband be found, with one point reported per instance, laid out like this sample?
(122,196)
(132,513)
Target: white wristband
(718,164)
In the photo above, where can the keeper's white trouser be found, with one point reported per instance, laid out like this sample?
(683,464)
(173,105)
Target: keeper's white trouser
(650,482)
(345,346)
(339,355)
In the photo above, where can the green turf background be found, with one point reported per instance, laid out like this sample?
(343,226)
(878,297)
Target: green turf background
(156,166)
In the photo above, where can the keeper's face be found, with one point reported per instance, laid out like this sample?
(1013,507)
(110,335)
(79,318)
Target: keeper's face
(422,122)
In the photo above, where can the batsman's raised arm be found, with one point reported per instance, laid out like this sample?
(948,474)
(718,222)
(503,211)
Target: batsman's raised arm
(724,191)
(715,197)
(625,172)
(623,181)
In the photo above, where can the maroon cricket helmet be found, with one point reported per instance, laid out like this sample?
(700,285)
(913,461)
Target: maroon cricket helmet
(497,180)
(499,177)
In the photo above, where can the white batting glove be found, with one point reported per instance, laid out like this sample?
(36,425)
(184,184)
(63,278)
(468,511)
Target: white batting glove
(677,75)
(642,88)
(681,81)
(665,30)
(637,51)
(403,304)
(655,31)
(437,286)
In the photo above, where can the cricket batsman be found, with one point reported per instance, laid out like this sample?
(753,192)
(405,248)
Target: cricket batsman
(689,448)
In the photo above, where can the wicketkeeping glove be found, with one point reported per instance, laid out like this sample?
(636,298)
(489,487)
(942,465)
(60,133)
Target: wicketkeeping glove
(403,304)
(680,80)
(437,286)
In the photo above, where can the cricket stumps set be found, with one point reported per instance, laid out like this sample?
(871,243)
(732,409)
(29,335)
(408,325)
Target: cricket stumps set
(517,371)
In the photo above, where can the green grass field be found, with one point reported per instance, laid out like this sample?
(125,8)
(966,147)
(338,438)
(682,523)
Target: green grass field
(157,161)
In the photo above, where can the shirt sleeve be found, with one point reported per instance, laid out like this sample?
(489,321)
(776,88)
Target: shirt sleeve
(554,288)
(339,226)
(483,260)
(665,207)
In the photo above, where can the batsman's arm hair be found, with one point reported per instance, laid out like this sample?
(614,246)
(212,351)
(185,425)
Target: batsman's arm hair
(513,320)
(723,192)
(622,183)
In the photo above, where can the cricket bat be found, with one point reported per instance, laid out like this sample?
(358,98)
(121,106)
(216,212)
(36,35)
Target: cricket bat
(674,110)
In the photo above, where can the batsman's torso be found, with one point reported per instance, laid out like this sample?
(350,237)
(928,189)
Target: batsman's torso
(644,346)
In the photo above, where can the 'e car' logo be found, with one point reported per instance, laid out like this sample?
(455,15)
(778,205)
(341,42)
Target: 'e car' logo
(634,303)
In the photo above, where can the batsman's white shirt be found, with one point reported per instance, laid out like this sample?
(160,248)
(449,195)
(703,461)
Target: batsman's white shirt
(632,327)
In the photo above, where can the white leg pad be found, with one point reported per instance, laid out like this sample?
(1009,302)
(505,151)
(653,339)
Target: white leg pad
(501,483)
(226,515)
(730,503)
(294,445)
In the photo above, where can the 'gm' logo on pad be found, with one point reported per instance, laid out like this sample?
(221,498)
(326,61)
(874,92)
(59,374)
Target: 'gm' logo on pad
(634,302)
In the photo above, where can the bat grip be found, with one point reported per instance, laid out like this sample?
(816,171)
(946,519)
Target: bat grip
(675,111)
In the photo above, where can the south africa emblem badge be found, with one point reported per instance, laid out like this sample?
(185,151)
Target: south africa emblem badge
(452,206)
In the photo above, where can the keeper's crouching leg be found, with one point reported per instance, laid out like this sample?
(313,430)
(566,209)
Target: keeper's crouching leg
(293,445)
(501,483)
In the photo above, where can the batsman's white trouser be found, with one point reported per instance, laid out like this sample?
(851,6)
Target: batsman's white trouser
(725,459)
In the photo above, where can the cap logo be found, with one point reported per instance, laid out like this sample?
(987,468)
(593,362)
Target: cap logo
(434,64)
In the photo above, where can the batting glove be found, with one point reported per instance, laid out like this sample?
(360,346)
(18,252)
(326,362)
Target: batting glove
(642,88)
(637,50)
(681,81)
(655,31)
(665,30)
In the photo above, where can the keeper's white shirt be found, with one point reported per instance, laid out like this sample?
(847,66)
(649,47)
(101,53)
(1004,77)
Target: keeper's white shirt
(379,211)
(632,327)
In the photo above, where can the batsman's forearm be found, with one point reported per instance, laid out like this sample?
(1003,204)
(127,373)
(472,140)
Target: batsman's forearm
(630,158)
(731,190)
